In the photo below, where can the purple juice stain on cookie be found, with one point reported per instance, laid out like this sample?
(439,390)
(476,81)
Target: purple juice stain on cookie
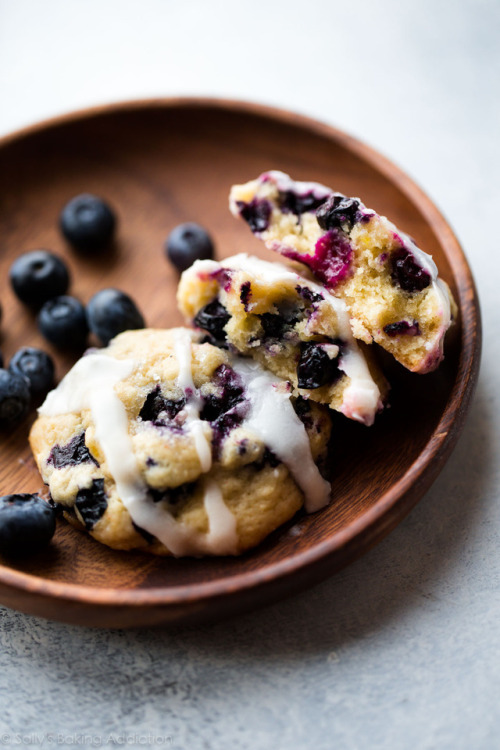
(257,214)
(402,327)
(331,262)
(223,277)
(73,453)
(92,503)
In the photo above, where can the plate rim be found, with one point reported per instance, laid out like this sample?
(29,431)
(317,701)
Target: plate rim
(369,528)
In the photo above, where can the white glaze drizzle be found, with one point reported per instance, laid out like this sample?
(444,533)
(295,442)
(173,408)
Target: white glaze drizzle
(183,352)
(90,384)
(284,183)
(361,398)
(273,418)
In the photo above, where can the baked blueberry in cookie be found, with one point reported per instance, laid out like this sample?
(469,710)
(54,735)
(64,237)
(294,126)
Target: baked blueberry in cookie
(290,325)
(360,257)
(164,443)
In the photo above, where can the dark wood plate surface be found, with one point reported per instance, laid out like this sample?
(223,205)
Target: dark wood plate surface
(168,161)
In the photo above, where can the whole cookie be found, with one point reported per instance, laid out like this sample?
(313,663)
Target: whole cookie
(164,443)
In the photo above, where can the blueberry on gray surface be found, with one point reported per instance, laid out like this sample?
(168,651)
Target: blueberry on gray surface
(88,223)
(38,276)
(92,503)
(27,524)
(14,397)
(187,243)
(213,319)
(37,366)
(63,322)
(110,312)
(315,367)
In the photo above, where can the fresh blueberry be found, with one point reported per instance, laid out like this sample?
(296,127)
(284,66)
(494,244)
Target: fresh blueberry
(88,223)
(257,213)
(303,411)
(402,327)
(292,202)
(27,524)
(187,243)
(73,453)
(226,407)
(315,368)
(92,503)
(246,294)
(37,366)
(38,276)
(277,325)
(338,212)
(14,397)
(308,294)
(110,311)
(172,495)
(406,273)
(63,322)
(213,318)
(160,410)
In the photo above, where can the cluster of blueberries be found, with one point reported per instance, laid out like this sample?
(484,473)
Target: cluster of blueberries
(40,280)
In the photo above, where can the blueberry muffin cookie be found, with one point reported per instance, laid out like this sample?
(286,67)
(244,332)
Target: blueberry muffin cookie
(390,286)
(291,326)
(164,443)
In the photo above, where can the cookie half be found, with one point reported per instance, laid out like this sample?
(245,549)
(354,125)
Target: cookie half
(290,325)
(164,443)
(390,286)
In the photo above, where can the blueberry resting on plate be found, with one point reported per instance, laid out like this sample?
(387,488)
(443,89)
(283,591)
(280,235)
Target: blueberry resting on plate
(110,312)
(14,397)
(27,524)
(63,322)
(88,223)
(38,276)
(187,243)
(37,366)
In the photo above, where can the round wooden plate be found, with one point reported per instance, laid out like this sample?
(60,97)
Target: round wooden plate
(161,163)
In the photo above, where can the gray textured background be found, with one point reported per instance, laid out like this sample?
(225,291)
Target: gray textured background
(401,649)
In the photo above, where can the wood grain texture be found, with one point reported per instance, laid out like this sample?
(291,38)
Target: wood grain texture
(160,163)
